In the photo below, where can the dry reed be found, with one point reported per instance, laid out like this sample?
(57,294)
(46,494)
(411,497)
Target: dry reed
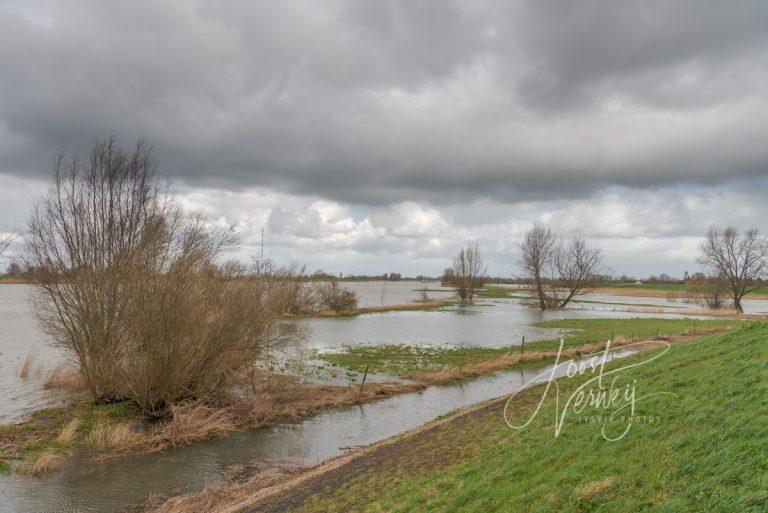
(115,437)
(65,376)
(27,366)
(46,462)
(70,431)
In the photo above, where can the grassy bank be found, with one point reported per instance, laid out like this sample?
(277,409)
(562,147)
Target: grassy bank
(624,289)
(665,290)
(703,452)
(416,362)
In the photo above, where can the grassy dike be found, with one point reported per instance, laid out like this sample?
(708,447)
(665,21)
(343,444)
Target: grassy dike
(415,361)
(704,452)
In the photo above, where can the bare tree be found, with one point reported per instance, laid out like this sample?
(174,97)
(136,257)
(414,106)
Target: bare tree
(5,241)
(713,293)
(537,247)
(128,284)
(578,268)
(468,272)
(560,271)
(740,259)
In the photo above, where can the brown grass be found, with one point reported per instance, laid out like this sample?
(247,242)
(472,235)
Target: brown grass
(214,497)
(46,462)
(115,437)
(65,376)
(14,280)
(27,366)
(190,424)
(69,432)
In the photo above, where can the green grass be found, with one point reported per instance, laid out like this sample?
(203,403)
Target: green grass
(707,452)
(668,287)
(404,360)
(29,439)
(492,292)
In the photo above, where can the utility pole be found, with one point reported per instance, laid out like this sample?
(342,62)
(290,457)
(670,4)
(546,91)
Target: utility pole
(262,245)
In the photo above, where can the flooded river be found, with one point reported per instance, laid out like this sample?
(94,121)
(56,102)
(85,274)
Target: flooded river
(83,486)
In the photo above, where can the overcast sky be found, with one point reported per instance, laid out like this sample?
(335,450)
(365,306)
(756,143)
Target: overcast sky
(370,136)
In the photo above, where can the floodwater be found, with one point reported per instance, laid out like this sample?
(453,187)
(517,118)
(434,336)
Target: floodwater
(491,323)
(82,486)
(388,293)
(21,338)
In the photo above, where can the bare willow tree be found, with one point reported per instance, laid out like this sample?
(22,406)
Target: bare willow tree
(559,270)
(537,248)
(468,272)
(578,268)
(741,260)
(129,285)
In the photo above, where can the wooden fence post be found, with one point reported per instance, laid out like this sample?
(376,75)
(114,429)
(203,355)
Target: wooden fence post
(365,375)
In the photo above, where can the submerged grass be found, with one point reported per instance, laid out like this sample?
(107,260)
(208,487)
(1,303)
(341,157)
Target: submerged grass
(704,451)
(412,361)
(435,304)
(114,430)
(56,431)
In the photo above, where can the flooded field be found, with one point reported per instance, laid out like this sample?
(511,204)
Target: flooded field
(20,338)
(83,486)
(491,323)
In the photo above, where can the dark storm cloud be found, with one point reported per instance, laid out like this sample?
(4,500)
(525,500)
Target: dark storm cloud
(373,102)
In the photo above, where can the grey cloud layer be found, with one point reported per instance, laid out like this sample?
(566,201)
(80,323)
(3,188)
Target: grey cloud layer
(376,102)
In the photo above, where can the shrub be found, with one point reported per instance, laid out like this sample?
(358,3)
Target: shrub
(333,297)
(129,285)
